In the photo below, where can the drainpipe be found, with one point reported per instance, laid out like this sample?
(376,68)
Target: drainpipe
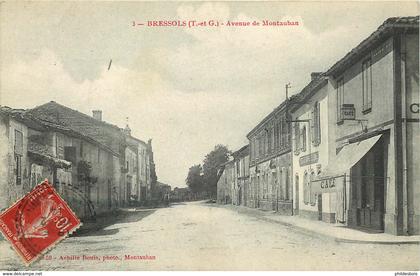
(406,203)
(401,226)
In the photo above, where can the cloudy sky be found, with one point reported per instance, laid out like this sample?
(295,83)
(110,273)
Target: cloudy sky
(186,88)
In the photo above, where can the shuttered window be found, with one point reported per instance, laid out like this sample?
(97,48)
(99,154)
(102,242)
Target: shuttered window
(306,183)
(340,99)
(367,85)
(303,139)
(316,124)
(18,142)
(18,149)
(297,138)
(313,195)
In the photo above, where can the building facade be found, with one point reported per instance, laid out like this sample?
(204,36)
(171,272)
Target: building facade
(241,183)
(374,91)
(270,186)
(354,129)
(312,133)
(15,177)
(96,167)
(226,182)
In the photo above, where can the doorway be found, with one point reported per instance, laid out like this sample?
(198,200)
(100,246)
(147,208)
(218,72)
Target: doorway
(368,193)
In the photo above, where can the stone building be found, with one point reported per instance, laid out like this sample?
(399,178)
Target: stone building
(162,191)
(241,171)
(80,168)
(311,119)
(141,188)
(118,140)
(94,165)
(15,169)
(226,182)
(270,186)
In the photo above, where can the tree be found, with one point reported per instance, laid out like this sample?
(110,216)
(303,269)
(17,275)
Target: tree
(211,164)
(195,179)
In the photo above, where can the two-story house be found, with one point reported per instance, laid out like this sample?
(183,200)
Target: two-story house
(241,160)
(270,162)
(374,90)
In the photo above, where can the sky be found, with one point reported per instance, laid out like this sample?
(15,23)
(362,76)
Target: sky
(188,89)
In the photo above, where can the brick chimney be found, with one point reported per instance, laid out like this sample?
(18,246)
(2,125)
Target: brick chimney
(314,75)
(97,114)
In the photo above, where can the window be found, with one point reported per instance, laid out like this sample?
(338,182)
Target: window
(59,146)
(269,140)
(286,132)
(340,99)
(273,139)
(367,86)
(281,133)
(18,169)
(70,154)
(266,185)
(254,147)
(281,183)
(287,184)
(18,142)
(81,149)
(18,156)
(303,137)
(297,139)
(313,195)
(306,183)
(266,142)
(238,167)
(316,125)
(274,185)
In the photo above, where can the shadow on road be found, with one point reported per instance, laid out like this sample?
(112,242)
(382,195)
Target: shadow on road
(96,227)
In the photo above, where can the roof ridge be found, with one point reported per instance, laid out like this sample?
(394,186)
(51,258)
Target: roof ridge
(389,23)
(79,112)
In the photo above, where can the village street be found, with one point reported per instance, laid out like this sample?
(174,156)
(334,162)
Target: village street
(200,236)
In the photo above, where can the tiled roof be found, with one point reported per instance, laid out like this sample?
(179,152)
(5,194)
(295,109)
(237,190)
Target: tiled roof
(20,115)
(63,128)
(385,30)
(241,152)
(309,90)
(63,118)
(283,106)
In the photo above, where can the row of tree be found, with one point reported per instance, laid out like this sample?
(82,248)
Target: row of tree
(202,178)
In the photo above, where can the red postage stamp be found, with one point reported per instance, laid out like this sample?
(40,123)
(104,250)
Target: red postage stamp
(37,222)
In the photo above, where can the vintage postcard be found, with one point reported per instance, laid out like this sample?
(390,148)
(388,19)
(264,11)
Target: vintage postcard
(200,135)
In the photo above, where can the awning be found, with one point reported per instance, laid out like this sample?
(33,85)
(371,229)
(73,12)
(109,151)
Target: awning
(343,161)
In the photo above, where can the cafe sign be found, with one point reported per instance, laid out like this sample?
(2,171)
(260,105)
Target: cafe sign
(348,112)
(328,185)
